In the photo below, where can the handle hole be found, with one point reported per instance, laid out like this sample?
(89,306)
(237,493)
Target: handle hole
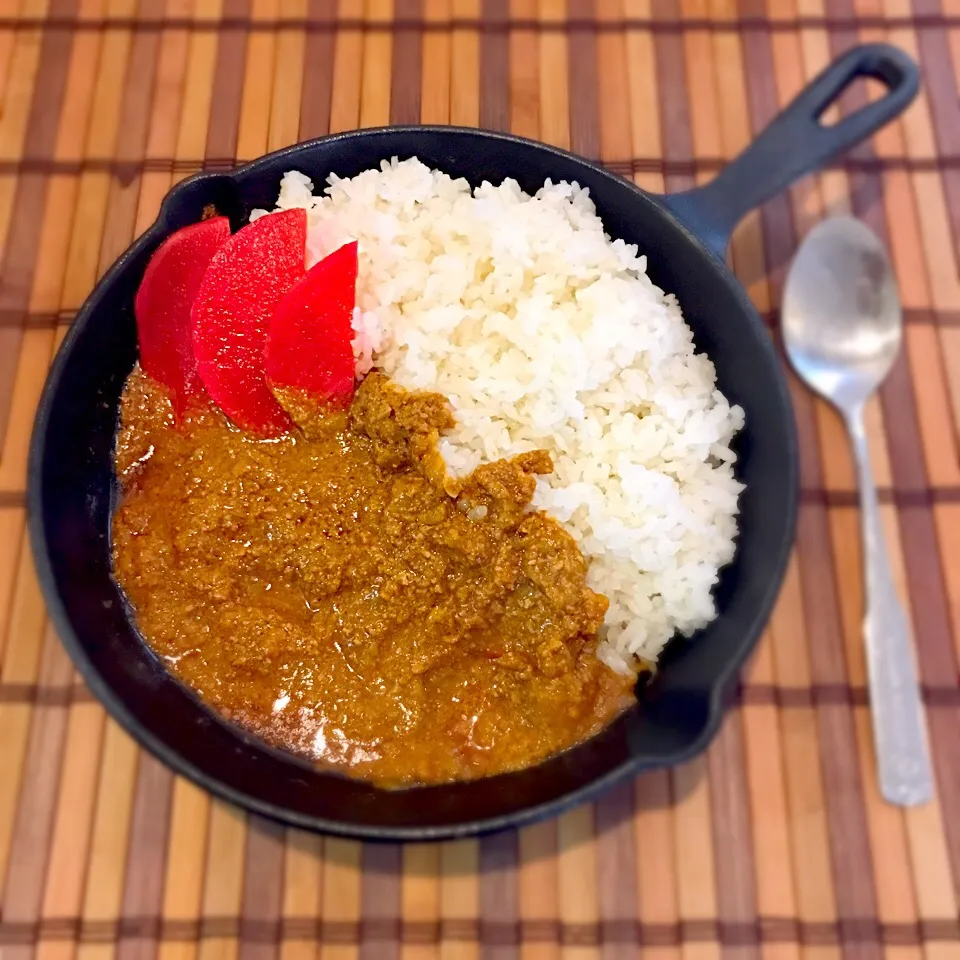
(861,90)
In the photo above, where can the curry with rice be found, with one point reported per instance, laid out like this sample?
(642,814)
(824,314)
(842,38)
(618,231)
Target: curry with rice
(336,563)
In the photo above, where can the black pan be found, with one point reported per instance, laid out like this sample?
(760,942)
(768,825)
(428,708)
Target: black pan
(71,485)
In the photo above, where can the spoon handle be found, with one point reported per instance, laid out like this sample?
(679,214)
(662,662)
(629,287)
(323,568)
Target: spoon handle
(903,759)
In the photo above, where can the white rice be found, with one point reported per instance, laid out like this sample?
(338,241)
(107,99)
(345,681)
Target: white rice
(545,333)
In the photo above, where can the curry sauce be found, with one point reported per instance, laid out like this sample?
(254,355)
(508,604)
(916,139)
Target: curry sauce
(336,593)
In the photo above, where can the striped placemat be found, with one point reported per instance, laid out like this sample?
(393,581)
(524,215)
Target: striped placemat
(776,843)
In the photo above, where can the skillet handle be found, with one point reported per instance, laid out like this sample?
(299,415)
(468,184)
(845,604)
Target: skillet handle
(796,142)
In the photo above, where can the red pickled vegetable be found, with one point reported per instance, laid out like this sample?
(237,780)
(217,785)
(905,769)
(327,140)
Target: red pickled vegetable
(163,305)
(309,338)
(243,285)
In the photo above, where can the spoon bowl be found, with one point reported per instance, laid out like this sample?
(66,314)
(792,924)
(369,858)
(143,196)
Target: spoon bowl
(842,322)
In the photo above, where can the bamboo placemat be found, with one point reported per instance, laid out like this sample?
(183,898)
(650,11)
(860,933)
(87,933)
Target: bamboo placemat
(776,843)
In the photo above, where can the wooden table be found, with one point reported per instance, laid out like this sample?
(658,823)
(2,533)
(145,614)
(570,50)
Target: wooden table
(776,843)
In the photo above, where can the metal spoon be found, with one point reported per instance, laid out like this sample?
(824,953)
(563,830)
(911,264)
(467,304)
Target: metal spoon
(842,327)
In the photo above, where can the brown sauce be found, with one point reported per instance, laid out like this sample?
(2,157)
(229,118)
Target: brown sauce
(333,593)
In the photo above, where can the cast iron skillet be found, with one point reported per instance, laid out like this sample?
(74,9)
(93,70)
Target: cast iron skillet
(685,235)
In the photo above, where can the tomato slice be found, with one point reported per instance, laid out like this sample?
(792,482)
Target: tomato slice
(245,281)
(163,306)
(309,338)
